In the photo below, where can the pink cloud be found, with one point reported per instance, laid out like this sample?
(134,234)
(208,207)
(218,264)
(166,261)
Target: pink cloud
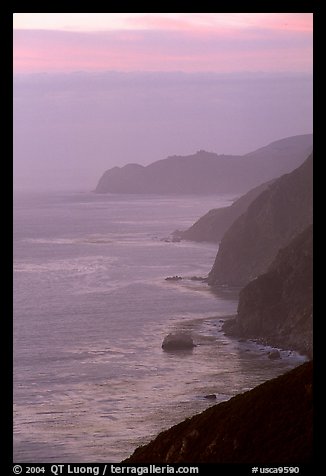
(162,50)
(160,22)
(302,22)
(223,22)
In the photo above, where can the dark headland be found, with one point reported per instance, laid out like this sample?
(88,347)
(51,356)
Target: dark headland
(205,173)
(265,249)
(268,253)
(282,211)
(277,307)
(212,226)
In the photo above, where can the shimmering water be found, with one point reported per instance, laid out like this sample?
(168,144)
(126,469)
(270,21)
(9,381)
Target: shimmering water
(91,308)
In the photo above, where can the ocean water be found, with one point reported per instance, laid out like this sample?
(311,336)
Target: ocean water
(91,309)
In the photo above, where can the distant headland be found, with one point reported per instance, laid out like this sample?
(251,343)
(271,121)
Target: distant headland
(207,172)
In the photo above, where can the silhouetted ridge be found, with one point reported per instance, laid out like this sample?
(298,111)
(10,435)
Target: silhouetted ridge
(207,172)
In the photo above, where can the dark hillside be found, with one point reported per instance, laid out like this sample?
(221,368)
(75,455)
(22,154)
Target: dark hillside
(212,226)
(271,424)
(278,306)
(271,221)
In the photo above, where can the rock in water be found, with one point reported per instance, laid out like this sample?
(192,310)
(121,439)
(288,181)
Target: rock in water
(274,355)
(210,396)
(178,341)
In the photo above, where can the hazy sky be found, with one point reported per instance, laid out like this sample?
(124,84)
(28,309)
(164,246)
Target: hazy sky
(92,91)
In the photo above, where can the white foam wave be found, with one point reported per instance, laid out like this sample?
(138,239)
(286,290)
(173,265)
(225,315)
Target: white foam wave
(88,239)
(85,265)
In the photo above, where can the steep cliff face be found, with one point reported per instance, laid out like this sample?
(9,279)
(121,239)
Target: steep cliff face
(207,172)
(275,217)
(277,306)
(271,424)
(212,226)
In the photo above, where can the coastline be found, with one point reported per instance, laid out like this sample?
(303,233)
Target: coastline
(191,431)
(231,329)
(176,321)
(270,424)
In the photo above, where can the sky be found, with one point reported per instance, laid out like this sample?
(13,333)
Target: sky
(96,90)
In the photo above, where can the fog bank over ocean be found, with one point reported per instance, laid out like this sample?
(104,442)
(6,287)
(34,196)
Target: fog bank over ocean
(69,128)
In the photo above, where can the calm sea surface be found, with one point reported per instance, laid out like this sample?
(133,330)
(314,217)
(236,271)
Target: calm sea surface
(91,308)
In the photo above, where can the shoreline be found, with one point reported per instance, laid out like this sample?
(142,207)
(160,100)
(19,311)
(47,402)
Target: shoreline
(270,424)
(230,329)
(247,345)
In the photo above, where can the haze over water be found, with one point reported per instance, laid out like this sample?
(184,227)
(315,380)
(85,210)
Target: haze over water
(96,91)
(91,304)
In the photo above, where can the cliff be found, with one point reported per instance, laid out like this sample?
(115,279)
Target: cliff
(212,226)
(275,217)
(277,306)
(208,173)
(271,424)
